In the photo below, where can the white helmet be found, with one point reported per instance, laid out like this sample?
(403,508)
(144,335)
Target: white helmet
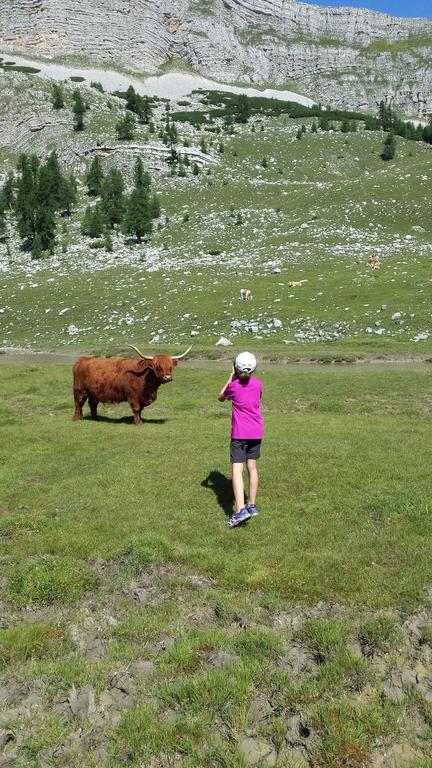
(245,362)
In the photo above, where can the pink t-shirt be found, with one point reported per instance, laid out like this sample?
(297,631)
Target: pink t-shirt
(247,423)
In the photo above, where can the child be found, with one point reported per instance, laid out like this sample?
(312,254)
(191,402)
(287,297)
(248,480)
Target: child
(245,393)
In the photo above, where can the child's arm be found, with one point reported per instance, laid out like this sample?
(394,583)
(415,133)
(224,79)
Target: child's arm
(221,395)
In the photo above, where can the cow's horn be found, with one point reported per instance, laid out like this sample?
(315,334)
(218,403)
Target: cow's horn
(179,357)
(144,357)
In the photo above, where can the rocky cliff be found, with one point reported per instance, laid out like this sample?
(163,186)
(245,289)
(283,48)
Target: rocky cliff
(343,56)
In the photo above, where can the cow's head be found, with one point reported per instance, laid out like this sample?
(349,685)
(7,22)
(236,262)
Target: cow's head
(161,365)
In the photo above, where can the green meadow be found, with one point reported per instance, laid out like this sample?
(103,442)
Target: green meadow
(138,630)
(135,628)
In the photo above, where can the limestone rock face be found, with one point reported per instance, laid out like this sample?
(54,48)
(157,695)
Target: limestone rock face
(344,56)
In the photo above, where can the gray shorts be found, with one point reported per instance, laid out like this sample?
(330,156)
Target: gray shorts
(242,450)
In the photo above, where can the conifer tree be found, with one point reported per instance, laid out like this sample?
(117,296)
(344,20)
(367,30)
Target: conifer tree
(125,127)
(242,107)
(68,193)
(79,110)
(94,177)
(93,223)
(137,219)
(57,96)
(155,207)
(389,149)
(195,169)
(141,177)
(8,190)
(37,249)
(3,208)
(314,128)
(345,127)
(324,123)
(25,203)
(112,197)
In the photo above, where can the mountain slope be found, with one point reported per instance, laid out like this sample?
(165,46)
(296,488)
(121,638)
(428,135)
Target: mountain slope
(344,56)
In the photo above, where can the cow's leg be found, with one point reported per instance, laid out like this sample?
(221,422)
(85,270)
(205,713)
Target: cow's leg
(80,397)
(136,410)
(93,403)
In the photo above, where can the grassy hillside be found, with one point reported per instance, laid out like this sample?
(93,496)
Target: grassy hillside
(138,630)
(314,211)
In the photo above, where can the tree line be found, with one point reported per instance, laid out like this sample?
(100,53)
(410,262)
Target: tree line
(40,193)
(133,214)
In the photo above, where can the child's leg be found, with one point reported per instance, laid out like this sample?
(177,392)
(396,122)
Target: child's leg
(253,480)
(238,486)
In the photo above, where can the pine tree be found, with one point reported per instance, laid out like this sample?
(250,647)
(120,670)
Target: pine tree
(314,128)
(137,219)
(131,99)
(203,146)
(3,208)
(324,123)
(25,203)
(264,161)
(242,107)
(37,249)
(141,177)
(112,197)
(79,110)
(68,193)
(155,207)
(57,96)
(145,111)
(221,148)
(345,127)
(389,149)
(125,127)
(94,177)
(195,169)
(299,134)
(303,128)
(50,181)
(108,243)
(8,190)
(93,223)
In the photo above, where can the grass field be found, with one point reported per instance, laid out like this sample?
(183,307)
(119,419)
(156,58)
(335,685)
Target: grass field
(316,212)
(138,630)
(135,628)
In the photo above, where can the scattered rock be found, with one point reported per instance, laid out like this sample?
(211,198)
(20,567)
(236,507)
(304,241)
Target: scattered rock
(257,752)
(222,659)
(260,710)
(82,701)
(399,756)
(166,644)
(5,737)
(142,668)
(223,342)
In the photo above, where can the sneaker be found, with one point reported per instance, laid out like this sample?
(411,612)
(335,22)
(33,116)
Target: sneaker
(252,509)
(238,517)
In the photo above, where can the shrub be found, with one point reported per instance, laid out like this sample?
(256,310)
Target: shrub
(49,579)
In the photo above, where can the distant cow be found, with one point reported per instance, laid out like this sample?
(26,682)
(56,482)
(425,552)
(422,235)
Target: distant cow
(374,261)
(245,294)
(296,283)
(117,380)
